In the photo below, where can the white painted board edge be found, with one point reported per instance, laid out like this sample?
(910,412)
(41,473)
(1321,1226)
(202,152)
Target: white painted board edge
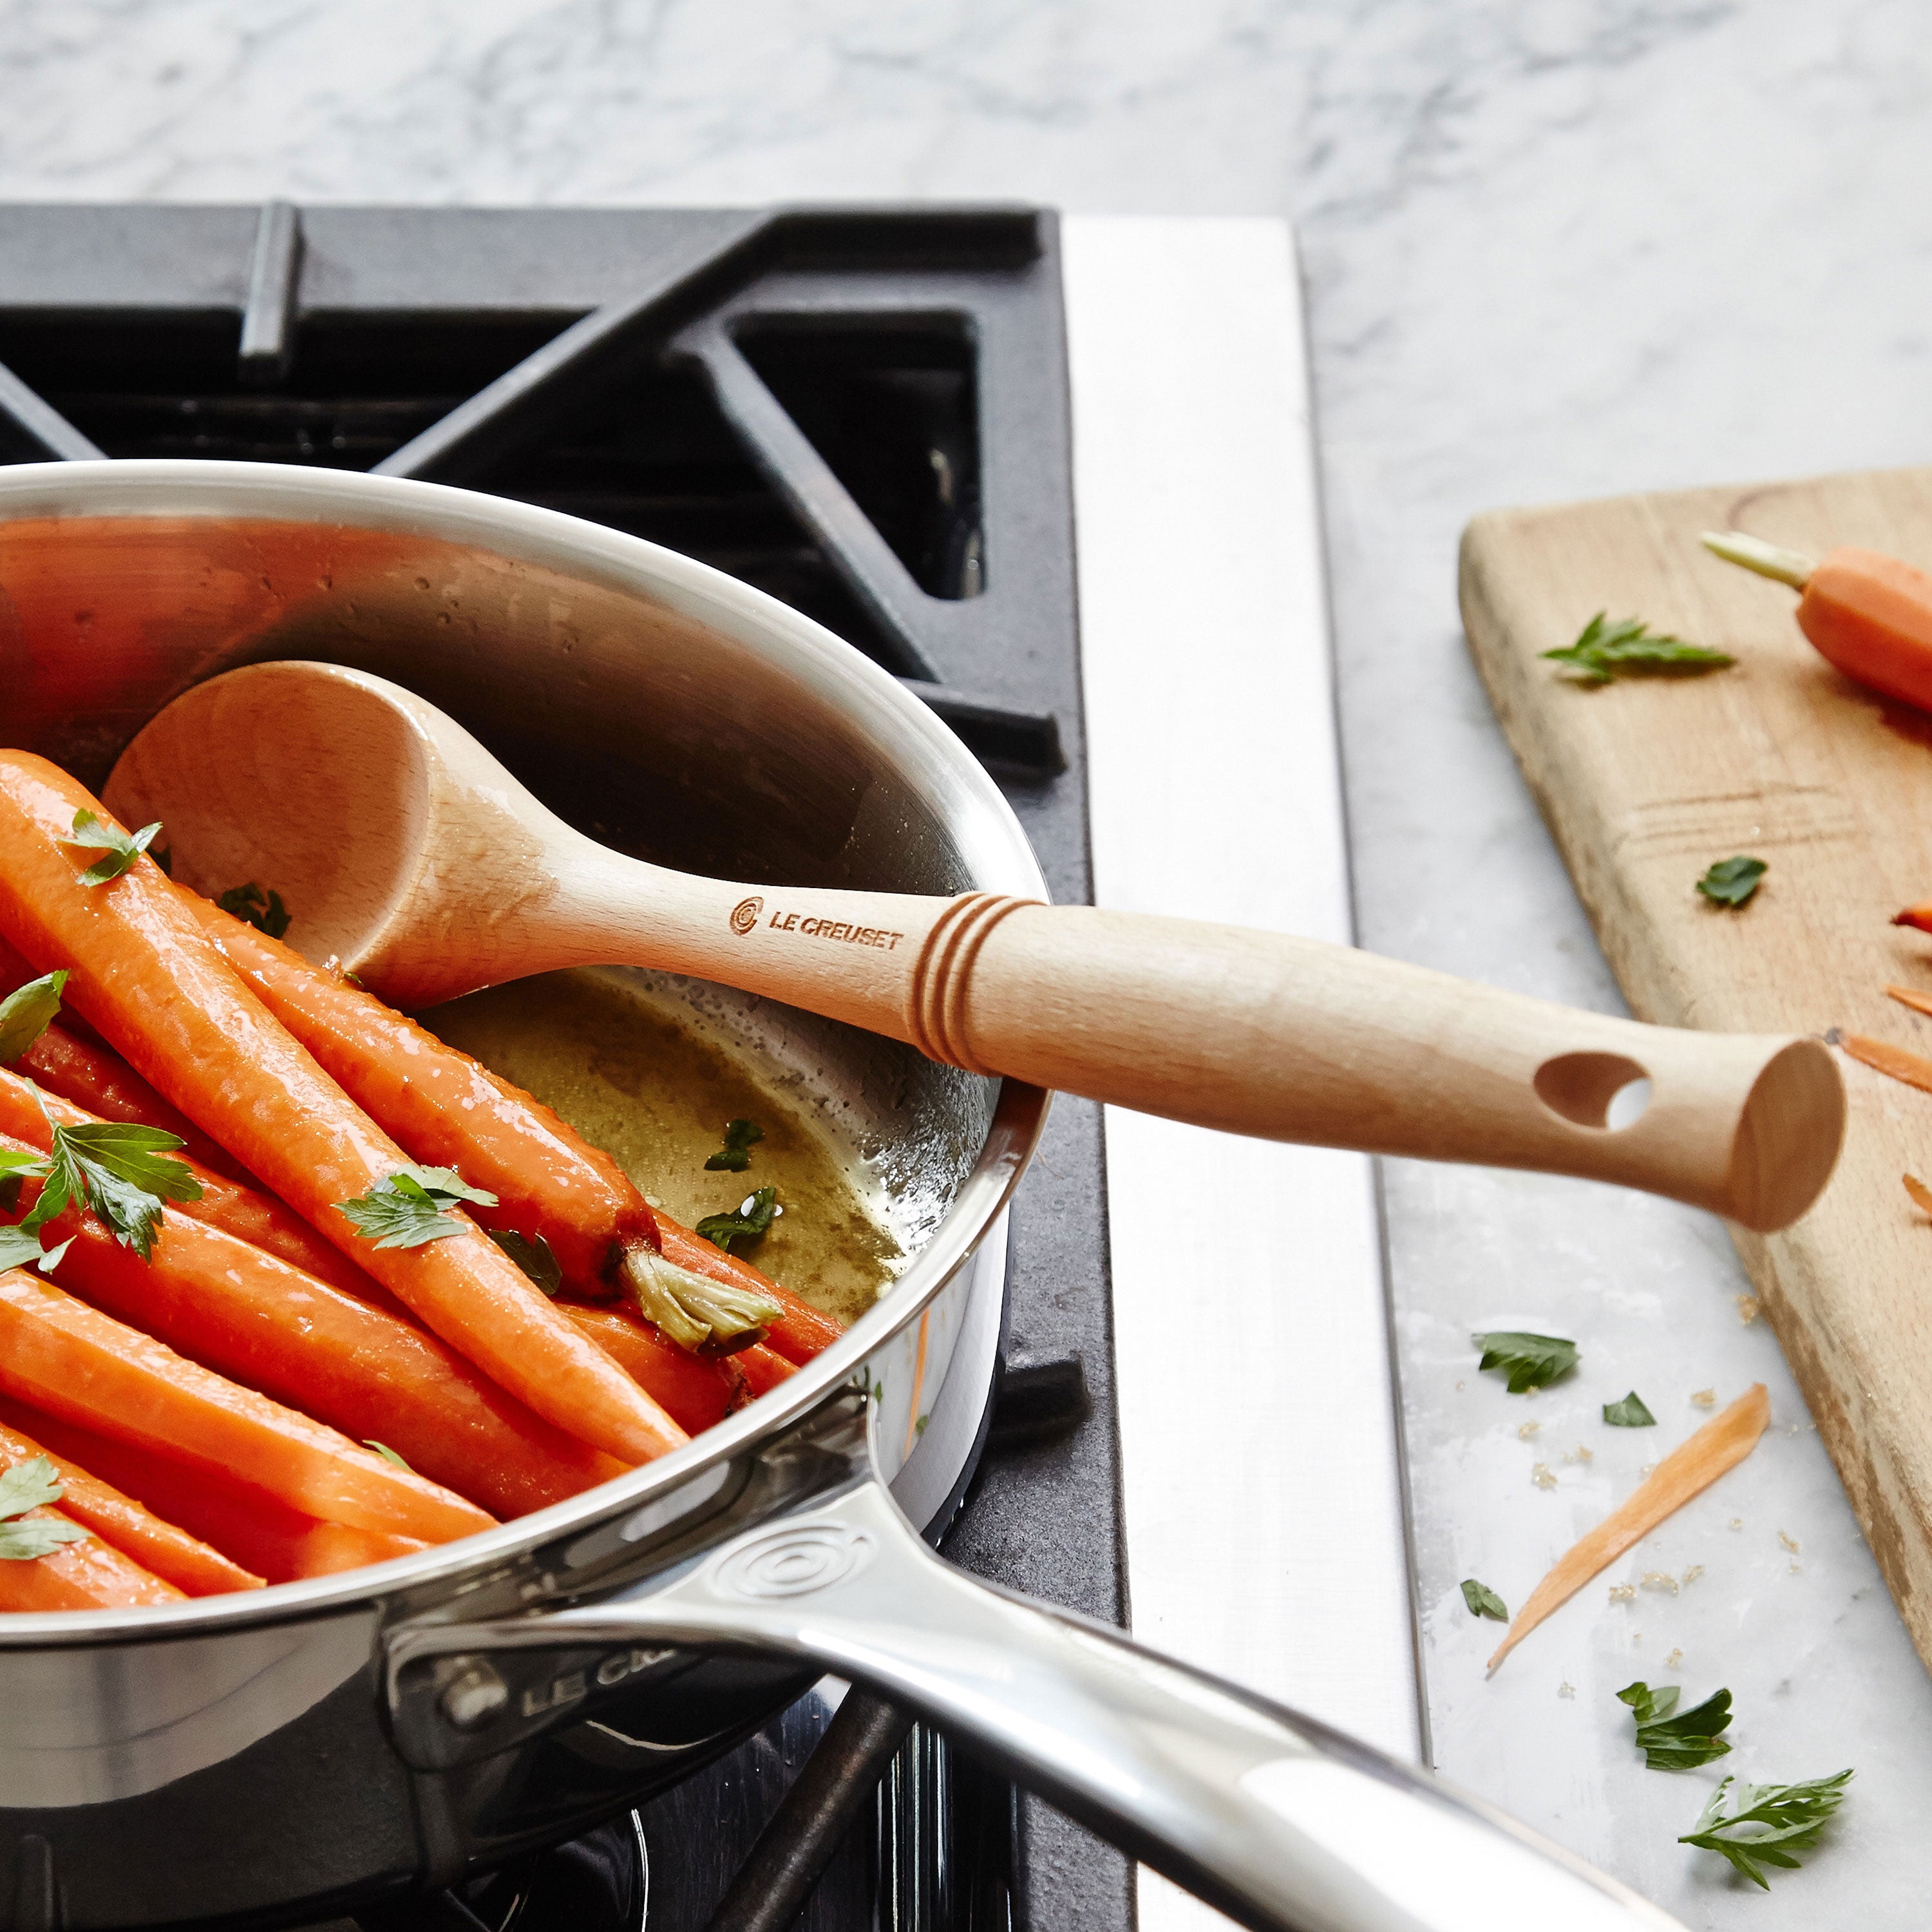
(1264,1502)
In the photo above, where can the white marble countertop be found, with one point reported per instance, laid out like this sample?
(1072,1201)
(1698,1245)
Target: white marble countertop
(1553,250)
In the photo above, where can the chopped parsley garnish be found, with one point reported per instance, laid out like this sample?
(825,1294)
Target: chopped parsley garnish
(532,1255)
(408,1209)
(1760,1825)
(1530,1361)
(756,1213)
(1604,650)
(263,911)
(1482,1601)
(27,1012)
(1674,1740)
(740,1137)
(121,1170)
(387,1454)
(92,833)
(22,1247)
(1629,1414)
(1731,882)
(32,1485)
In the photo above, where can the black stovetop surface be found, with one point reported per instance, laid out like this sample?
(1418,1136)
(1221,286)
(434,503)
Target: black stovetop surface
(863,412)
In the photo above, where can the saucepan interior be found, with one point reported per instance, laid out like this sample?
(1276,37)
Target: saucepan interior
(667,709)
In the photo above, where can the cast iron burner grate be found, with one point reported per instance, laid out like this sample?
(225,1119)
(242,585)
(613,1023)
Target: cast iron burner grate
(864,413)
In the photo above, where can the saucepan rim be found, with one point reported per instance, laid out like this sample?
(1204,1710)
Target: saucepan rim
(524,532)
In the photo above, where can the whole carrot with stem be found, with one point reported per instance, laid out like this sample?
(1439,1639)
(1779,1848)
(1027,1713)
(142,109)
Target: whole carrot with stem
(58,1354)
(447,1109)
(251,1317)
(1869,614)
(144,975)
(163,1549)
(246,1526)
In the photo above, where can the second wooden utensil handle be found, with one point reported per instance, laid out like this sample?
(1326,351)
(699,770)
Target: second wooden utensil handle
(1286,1039)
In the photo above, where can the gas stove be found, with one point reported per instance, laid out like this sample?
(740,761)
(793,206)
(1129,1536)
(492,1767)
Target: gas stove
(864,414)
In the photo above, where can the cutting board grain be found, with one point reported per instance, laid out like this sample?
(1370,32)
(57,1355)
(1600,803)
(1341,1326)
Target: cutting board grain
(1644,783)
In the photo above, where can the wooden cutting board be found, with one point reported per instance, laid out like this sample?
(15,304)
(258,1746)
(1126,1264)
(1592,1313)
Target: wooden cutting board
(1644,782)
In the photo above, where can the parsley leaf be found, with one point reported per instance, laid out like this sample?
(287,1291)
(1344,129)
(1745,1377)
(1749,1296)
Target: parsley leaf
(1604,650)
(1672,1740)
(32,1485)
(121,1171)
(252,906)
(532,1255)
(1530,1361)
(1482,1601)
(93,834)
(1789,1818)
(1731,882)
(755,1213)
(387,1454)
(407,1210)
(740,1137)
(27,1013)
(1629,1414)
(21,1247)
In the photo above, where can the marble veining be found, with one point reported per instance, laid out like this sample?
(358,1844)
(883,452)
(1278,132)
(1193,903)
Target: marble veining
(1554,248)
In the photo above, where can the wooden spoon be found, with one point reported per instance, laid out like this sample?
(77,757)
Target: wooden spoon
(406,851)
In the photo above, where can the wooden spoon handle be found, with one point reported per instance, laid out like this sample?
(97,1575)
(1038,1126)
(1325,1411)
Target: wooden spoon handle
(1258,1033)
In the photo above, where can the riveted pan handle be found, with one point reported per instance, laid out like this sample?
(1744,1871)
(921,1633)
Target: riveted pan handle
(1278,1821)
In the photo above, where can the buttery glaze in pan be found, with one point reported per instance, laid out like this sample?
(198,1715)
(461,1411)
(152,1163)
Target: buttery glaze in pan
(639,1076)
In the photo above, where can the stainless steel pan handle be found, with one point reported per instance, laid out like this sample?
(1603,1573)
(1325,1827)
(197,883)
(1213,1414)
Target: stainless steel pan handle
(1279,1822)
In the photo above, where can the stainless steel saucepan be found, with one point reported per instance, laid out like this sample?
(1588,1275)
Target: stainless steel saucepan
(301,1749)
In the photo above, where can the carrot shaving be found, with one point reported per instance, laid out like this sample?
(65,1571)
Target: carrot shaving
(1723,1443)
(1912,1068)
(1906,996)
(1921,1195)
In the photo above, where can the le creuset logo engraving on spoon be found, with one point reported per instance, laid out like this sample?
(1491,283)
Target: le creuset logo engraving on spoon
(745,913)
(794,1562)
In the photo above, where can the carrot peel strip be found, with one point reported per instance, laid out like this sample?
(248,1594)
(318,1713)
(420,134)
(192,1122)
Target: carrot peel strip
(1913,1068)
(1909,996)
(1723,1443)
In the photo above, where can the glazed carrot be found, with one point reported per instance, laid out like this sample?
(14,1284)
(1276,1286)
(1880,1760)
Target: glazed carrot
(109,1089)
(28,1113)
(1723,1442)
(60,1355)
(170,1553)
(250,1316)
(1919,1003)
(799,1332)
(1867,613)
(1914,1070)
(449,1110)
(144,975)
(243,1525)
(90,1575)
(764,1368)
(694,1390)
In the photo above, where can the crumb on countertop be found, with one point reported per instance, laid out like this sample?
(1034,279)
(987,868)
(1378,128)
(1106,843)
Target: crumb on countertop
(1566,1689)
(1691,1575)
(1790,1543)
(1542,1475)
(1660,1579)
(1623,1593)
(1706,1398)
(1748,1306)
(1671,1662)
(1528,1429)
